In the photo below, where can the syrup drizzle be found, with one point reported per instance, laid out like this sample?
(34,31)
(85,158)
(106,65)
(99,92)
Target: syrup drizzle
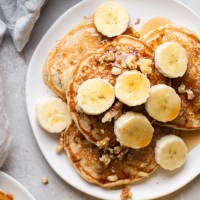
(154,23)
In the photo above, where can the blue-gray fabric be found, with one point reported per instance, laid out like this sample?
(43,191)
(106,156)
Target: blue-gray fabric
(19,17)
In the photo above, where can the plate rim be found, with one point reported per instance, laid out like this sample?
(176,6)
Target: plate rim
(18,184)
(46,34)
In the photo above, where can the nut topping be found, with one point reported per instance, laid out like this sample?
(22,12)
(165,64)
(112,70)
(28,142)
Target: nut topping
(103,143)
(112,178)
(145,66)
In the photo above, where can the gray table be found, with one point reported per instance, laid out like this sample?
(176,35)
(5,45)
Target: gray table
(26,163)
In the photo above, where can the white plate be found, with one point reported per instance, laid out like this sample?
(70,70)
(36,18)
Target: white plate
(161,182)
(10,185)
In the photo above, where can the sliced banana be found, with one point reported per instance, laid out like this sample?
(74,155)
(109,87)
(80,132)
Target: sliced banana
(171,59)
(163,103)
(170,152)
(95,96)
(111,19)
(52,114)
(132,88)
(133,130)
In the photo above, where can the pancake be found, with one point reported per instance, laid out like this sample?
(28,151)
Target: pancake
(118,167)
(61,61)
(78,42)
(189,117)
(5,196)
(92,66)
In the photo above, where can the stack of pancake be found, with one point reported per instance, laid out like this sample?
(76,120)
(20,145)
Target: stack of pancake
(91,144)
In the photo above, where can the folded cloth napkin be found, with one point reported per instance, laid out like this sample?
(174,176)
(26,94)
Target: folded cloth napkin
(19,18)
(5,138)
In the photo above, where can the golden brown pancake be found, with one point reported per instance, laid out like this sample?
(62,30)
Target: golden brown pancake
(82,39)
(93,65)
(5,196)
(78,42)
(189,117)
(112,167)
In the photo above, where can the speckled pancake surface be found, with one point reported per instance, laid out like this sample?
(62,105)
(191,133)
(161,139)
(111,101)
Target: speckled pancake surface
(123,165)
(78,42)
(61,61)
(92,66)
(189,117)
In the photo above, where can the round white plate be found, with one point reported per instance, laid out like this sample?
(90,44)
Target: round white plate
(161,182)
(10,185)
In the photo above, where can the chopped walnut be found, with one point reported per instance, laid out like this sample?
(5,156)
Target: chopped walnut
(123,64)
(60,145)
(117,149)
(122,154)
(112,178)
(109,57)
(116,71)
(182,89)
(103,143)
(102,131)
(190,94)
(45,181)
(143,174)
(143,165)
(137,21)
(130,62)
(115,112)
(105,159)
(108,150)
(126,193)
(145,66)
(118,48)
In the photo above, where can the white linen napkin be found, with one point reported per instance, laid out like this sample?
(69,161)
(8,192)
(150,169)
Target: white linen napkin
(19,18)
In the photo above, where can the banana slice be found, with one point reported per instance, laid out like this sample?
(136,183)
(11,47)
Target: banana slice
(163,103)
(132,88)
(133,130)
(95,96)
(170,152)
(52,114)
(171,59)
(111,19)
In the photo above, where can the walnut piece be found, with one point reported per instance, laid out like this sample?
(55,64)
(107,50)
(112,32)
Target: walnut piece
(109,57)
(103,143)
(45,181)
(190,94)
(130,62)
(145,66)
(112,178)
(114,112)
(182,89)
(117,149)
(137,21)
(122,154)
(116,71)
(123,64)
(105,158)
(126,193)
(60,145)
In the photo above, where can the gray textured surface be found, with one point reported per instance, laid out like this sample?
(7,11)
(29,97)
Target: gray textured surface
(26,163)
